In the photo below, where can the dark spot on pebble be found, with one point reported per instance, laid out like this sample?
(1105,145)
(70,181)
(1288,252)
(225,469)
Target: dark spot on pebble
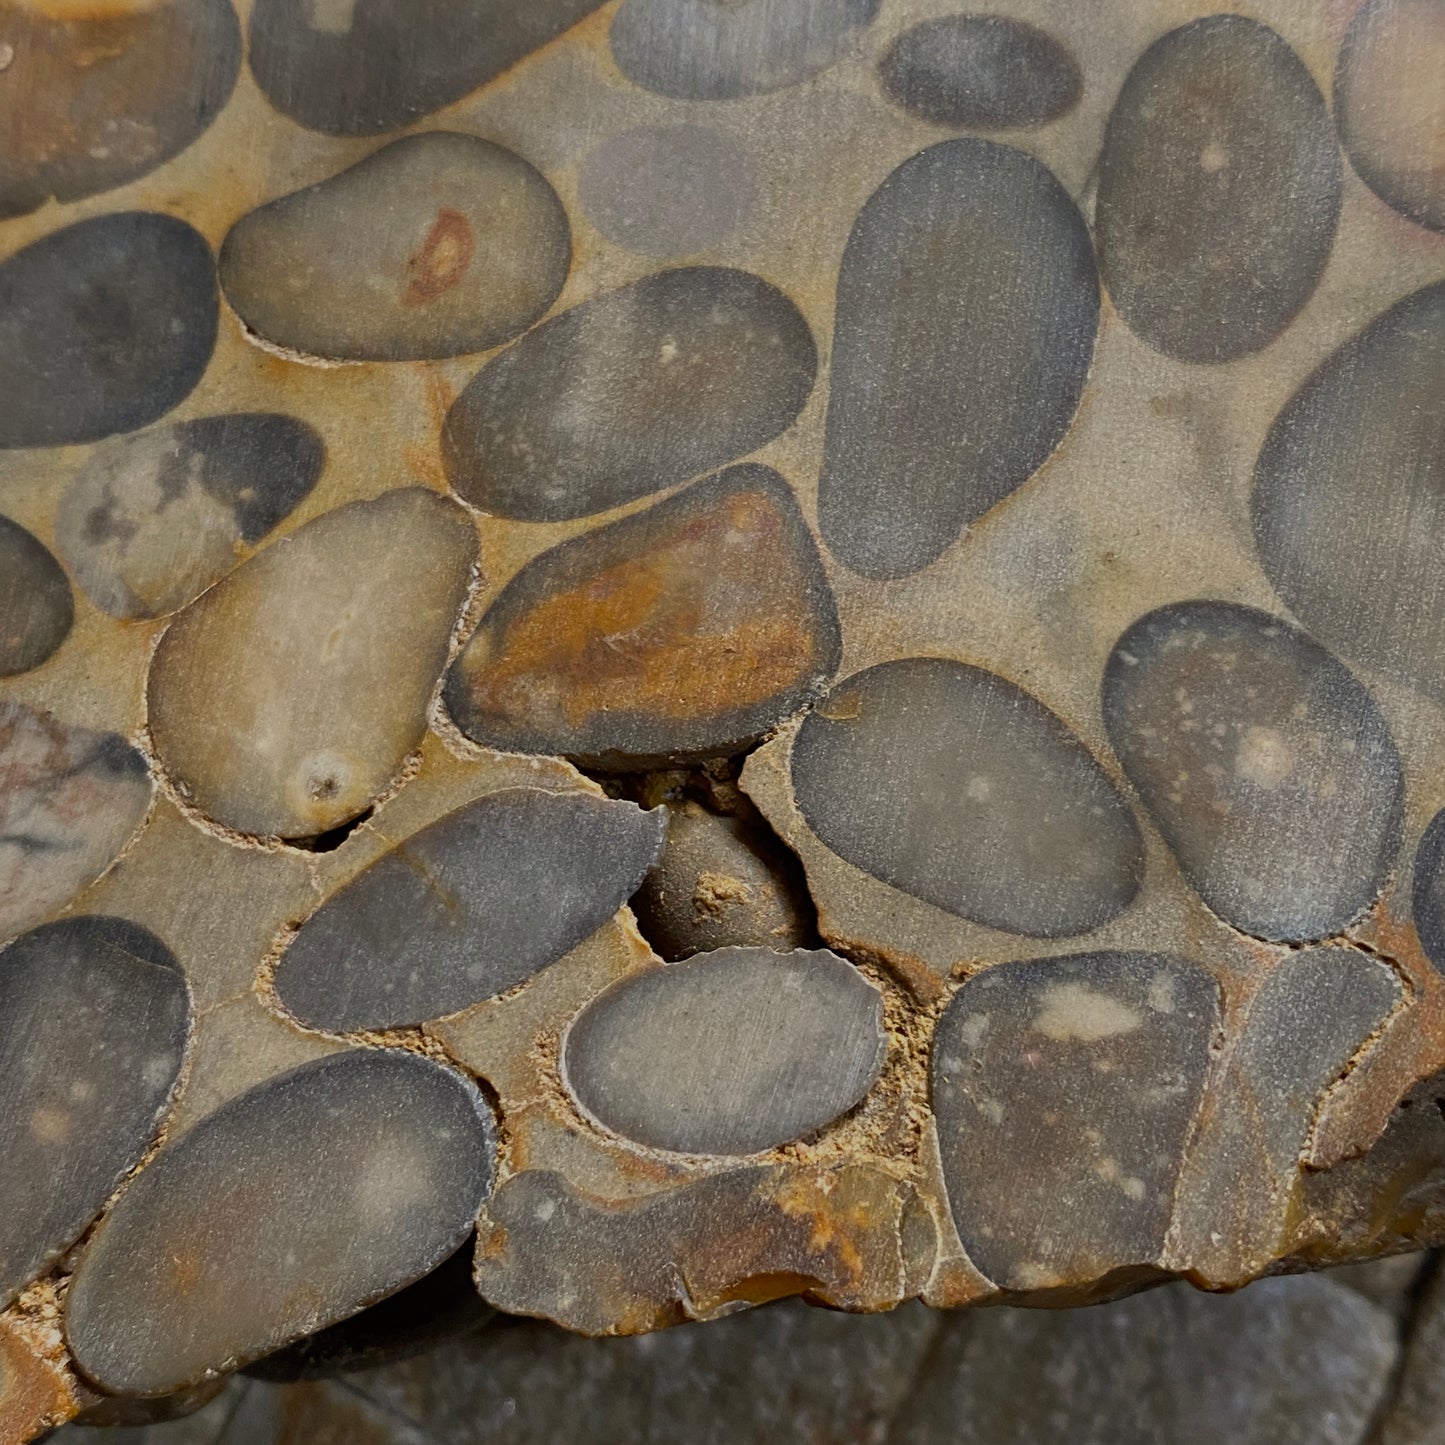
(955,786)
(1219,188)
(104,326)
(1265,763)
(635,391)
(967,306)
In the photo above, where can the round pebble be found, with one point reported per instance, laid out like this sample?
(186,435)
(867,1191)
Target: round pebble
(36,605)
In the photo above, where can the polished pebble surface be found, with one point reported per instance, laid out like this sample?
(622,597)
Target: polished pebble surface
(665,653)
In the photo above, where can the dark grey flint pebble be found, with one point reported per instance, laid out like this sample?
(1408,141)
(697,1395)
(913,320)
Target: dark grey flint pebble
(108,93)
(1387,104)
(289,1208)
(703,50)
(980,72)
(453,245)
(957,787)
(1349,496)
(967,306)
(1219,188)
(36,605)
(104,326)
(1064,1090)
(1428,893)
(151,521)
(359,67)
(468,907)
(729,1052)
(1265,763)
(94,1016)
(630,393)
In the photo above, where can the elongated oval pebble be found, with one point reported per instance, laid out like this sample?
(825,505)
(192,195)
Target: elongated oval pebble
(1349,496)
(290,1207)
(1265,763)
(36,604)
(107,94)
(688,629)
(104,326)
(465,909)
(1389,105)
(283,699)
(980,72)
(453,245)
(359,67)
(700,50)
(1064,1090)
(967,306)
(959,788)
(70,800)
(151,521)
(94,1017)
(630,393)
(1219,188)
(729,1052)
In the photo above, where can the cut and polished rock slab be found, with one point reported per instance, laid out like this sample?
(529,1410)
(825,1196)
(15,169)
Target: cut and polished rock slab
(685,630)
(630,393)
(287,1209)
(94,1019)
(966,311)
(1064,1090)
(70,800)
(1264,761)
(283,700)
(104,326)
(37,607)
(469,907)
(729,1052)
(1219,189)
(466,245)
(954,785)
(152,520)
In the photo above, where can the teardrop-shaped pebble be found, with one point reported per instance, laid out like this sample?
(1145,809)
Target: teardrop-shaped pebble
(94,1016)
(1349,496)
(1265,763)
(967,306)
(70,800)
(701,50)
(151,521)
(467,908)
(1219,188)
(453,244)
(104,326)
(980,72)
(36,605)
(668,190)
(97,96)
(282,700)
(959,788)
(1428,893)
(729,1052)
(287,1209)
(359,67)
(630,393)
(1389,105)
(1064,1090)
(688,629)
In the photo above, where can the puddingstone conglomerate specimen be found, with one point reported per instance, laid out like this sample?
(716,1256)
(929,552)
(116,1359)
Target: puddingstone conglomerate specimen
(659,655)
